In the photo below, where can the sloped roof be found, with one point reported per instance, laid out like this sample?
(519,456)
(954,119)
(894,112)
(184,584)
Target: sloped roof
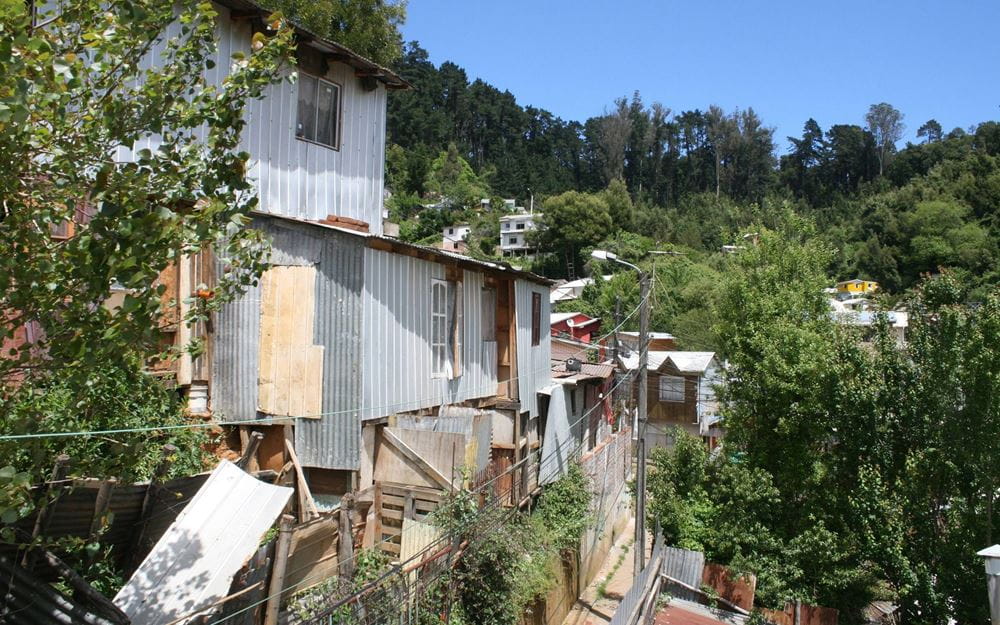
(693,363)
(384,243)
(338,52)
(560,317)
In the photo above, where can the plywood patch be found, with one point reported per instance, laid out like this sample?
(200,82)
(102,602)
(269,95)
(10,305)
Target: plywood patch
(290,371)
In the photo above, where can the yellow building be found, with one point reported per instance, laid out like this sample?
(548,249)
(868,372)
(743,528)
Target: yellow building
(857,287)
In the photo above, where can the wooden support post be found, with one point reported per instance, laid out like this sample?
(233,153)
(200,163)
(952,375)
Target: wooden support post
(101,507)
(138,552)
(345,546)
(377,507)
(408,506)
(248,460)
(307,507)
(48,501)
(278,570)
(515,478)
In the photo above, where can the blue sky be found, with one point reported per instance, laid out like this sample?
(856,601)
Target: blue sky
(789,60)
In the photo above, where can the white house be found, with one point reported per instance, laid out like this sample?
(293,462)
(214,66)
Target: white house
(513,232)
(453,237)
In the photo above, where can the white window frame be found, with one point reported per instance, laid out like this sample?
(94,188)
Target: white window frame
(439,329)
(447,331)
(669,391)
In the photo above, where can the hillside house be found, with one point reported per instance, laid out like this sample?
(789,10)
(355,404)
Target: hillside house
(350,330)
(514,231)
(658,341)
(857,287)
(453,238)
(575,325)
(681,394)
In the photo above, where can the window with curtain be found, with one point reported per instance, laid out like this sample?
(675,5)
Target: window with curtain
(319,111)
(671,388)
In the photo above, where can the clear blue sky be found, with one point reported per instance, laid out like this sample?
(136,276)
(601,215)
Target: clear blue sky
(788,59)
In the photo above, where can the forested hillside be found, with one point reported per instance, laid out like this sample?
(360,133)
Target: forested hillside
(695,178)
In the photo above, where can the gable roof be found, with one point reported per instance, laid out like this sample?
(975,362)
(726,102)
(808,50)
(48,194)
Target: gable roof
(689,363)
(250,9)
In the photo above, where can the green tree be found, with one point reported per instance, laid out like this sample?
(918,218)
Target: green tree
(570,223)
(885,123)
(81,94)
(452,178)
(368,27)
(931,131)
(942,235)
(74,93)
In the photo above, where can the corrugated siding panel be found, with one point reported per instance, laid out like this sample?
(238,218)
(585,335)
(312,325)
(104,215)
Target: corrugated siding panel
(396,336)
(236,350)
(309,181)
(331,441)
(334,440)
(296,178)
(533,362)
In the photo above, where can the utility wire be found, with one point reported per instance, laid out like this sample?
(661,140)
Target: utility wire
(275,420)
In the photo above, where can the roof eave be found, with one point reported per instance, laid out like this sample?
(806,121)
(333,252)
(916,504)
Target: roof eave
(363,66)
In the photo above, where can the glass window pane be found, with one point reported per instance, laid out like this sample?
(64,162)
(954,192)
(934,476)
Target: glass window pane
(326,116)
(306,127)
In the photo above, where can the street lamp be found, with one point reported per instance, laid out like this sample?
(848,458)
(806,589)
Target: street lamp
(640,486)
(992,556)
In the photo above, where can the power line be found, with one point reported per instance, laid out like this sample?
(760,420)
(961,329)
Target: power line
(273,420)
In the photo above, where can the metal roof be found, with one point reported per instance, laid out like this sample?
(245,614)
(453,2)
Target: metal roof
(339,52)
(193,564)
(694,363)
(588,371)
(389,244)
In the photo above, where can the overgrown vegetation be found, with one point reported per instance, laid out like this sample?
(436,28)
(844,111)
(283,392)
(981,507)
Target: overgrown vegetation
(850,471)
(509,561)
(73,93)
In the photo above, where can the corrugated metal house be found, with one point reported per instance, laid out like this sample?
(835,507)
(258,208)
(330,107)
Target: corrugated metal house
(347,328)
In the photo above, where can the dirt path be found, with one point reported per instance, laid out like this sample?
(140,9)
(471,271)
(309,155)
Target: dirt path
(600,600)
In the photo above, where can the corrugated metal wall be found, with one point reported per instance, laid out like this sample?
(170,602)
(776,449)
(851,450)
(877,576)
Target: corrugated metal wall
(533,362)
(296,178)
(396,336)
(331,441)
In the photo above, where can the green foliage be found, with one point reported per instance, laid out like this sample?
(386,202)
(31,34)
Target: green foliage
(368,27)
(453,180)
(510,558)
(563,508)
(81,93)
(849,472)
(116,395)
(74,92)
(571,223)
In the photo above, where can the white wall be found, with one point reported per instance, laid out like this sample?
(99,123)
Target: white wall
(396,361)
(533,362)
(296,178)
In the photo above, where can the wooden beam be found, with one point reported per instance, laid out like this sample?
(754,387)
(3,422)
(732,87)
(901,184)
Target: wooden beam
(307,507)
(238,16)
(278,572)
(249,457)
(414,457)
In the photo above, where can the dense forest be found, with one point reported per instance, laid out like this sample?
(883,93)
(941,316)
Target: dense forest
(694,179)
